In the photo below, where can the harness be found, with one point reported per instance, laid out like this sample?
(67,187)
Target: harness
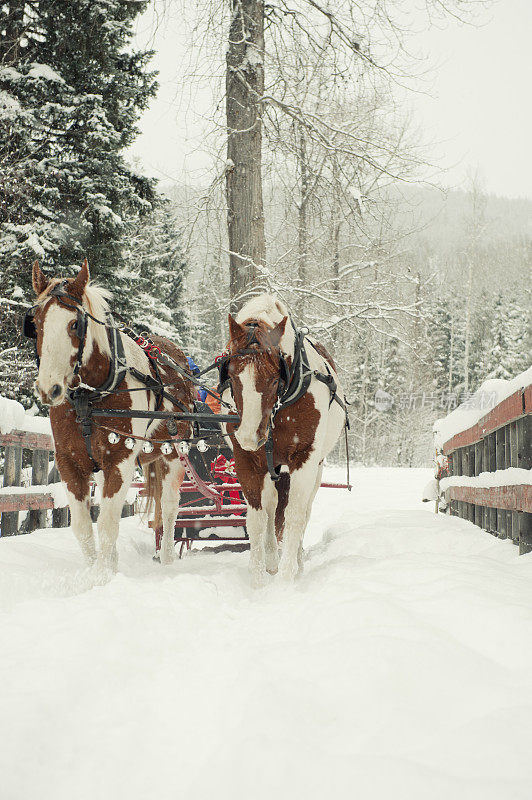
(294,382)
(83,397)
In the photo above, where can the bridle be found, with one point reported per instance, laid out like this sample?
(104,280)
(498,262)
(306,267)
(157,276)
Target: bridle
(83,397)
(60,293)
(224,361)
(294,379)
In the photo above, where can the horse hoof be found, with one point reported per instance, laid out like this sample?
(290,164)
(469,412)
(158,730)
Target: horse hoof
(167,558)
(272,563)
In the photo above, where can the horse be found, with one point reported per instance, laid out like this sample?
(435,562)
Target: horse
(285,387)
(85,363)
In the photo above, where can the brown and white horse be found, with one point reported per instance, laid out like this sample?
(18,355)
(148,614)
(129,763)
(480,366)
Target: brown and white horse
(56,321)
(261,348)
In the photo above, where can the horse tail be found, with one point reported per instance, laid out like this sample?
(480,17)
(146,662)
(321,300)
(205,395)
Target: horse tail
(283,488)
(153,490)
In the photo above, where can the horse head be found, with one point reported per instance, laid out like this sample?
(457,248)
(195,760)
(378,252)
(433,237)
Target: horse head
(256,367)
(59,324)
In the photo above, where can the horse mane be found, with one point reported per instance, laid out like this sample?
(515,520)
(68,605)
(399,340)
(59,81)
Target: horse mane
(265,307)
(96,301)
(268,311)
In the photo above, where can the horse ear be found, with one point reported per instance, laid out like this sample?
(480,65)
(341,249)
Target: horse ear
(234,327)
(39,280)
(276,334)
(81,280)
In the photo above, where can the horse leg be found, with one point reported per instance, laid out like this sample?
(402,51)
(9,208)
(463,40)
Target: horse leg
(81,522)
(116,482)
(303,485)
(271,547)
(256,524)
(260,524)
(309,509)
(170,496)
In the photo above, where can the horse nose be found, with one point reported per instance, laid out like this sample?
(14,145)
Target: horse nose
(50,397)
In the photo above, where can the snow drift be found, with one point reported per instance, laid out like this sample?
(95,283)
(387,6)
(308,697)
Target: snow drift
(398,666)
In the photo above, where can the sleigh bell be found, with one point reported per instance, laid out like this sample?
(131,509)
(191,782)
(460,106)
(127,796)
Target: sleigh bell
(147,447)
(202,446)
(113,438)
(183,448)
(166,448)
(129,443)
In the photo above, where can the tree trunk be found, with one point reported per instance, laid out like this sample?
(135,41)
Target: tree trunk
(335,227)
(244,88)
(302,223)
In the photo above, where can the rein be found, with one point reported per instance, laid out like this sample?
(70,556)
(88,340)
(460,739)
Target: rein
(83,396)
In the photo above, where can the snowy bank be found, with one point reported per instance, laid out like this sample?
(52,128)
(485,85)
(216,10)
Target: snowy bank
(13,417)
(513,476)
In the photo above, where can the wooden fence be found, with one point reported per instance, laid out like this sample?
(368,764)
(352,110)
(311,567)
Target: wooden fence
(500,440)
(43,473)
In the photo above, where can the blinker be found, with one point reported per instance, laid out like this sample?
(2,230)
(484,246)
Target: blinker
(28,326)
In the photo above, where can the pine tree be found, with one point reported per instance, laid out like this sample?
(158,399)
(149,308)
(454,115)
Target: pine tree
(445,343)
(70,96)
(160,272)
(507,347)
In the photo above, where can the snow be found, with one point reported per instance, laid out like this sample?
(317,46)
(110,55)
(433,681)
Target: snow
(10,74)
(488,395)
(14,418)
(12,415)
(430,492)
(398,666)
(9,106)
(513,476)
(33,242)
(253,58)
(45,72)
(56,490)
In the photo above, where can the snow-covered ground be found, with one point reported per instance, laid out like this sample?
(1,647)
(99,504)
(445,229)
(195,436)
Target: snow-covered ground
(398,666)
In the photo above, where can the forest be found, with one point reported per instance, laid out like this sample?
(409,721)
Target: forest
(420,293)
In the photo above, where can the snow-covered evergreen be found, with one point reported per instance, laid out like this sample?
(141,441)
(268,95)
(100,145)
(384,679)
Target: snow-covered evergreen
(70,95)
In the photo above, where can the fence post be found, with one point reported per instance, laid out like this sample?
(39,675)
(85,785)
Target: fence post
(525,533)
(39,477)
(501,452)
(12,472)
(513,444)
(524,442)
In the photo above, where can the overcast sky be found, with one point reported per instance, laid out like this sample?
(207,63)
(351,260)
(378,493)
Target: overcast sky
(478,112)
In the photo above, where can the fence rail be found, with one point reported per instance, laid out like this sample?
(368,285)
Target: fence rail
(500,442)
(43,473)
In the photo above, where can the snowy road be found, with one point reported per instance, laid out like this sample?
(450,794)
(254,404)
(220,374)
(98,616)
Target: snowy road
(398,666)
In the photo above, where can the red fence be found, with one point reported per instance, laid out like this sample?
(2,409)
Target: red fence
(500,440)
(43,473)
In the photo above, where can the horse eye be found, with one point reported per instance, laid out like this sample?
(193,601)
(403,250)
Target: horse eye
(74,325)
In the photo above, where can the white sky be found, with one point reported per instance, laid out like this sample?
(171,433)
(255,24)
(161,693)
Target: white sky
(478,112)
